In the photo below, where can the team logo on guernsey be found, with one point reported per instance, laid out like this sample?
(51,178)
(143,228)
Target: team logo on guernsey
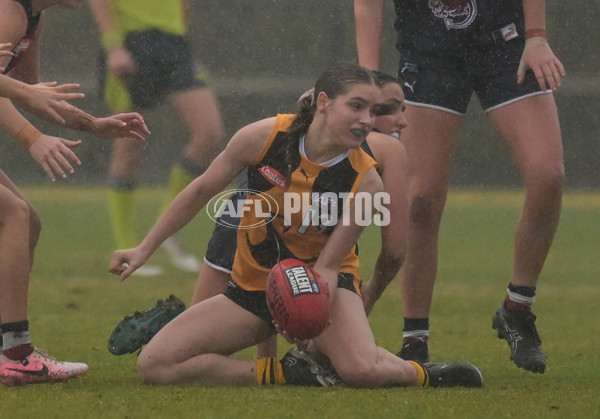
(457,14)
(300,281)
(273,176)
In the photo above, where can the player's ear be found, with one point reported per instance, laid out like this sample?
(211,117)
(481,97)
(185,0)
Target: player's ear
(322,102)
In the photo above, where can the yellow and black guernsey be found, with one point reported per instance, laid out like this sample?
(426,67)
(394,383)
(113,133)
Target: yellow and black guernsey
(306,211)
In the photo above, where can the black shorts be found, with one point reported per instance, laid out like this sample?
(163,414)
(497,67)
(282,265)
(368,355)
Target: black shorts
(446,81)
(164,65)
(256,301)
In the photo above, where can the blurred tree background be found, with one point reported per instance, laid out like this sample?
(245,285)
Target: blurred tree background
(263,54)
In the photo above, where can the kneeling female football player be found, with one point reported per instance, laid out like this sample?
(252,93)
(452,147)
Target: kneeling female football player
(316,151)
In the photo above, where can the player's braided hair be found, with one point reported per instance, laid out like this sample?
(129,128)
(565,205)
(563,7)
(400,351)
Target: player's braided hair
(335,81)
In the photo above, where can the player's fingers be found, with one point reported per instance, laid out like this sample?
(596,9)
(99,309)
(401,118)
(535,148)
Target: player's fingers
(561,68)
(56,167)
(56,117)
(126,272)
(117,265)
(556,76)
(540,79)
(67,86)
(548,75)
(49,172)
(71,96)
(521,72)
(134,135)
(64,162)
(72,144)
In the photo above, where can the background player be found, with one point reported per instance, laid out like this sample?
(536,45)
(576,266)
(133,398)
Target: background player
(148,62)
(499,51)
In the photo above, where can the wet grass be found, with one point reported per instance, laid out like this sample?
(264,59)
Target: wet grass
(75,303)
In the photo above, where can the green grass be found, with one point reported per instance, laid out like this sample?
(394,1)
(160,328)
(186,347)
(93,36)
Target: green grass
(75,303)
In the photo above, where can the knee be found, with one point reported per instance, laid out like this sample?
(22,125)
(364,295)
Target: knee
(426,210)
(35,225)
(359,372)
(17,212)
(149,371)
(547,179)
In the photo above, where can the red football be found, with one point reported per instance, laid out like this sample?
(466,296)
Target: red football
(298,299)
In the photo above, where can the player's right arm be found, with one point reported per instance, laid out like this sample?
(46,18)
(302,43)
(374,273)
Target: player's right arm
(52,153)
(345,234)
(243,149)
(368,16)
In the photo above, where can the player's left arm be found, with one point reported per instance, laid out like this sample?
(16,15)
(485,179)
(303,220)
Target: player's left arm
(391,157)
(368,18)
(345,234)
(537,54)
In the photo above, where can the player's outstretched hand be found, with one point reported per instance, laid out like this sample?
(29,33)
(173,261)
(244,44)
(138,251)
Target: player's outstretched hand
(48,100)
(54,154)
(538,56)
(124,262)
(123,125)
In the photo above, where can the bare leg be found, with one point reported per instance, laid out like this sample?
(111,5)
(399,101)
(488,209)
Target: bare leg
(200,112)
(351,348)
(194,347)
(530,128)
(126,158)
(429,139)
(212,282)
(19,232)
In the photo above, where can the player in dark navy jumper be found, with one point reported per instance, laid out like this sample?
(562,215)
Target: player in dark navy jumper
(499,51)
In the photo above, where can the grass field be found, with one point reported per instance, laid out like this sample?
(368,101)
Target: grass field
(75,303)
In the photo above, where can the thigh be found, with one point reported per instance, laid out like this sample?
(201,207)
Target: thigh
(531,129)
(430,139)
(199,109)
(216,325)
(349,337)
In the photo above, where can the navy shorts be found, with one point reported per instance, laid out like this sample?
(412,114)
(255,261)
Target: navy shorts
(447,81)
(223,242)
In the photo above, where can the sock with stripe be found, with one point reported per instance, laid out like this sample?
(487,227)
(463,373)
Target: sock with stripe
(519,297)
(269,371)
(16,340)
